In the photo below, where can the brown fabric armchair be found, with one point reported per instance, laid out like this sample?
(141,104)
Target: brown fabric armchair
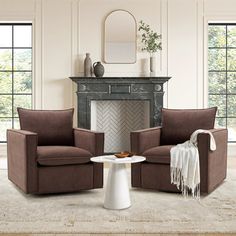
(177,126)
(48,156)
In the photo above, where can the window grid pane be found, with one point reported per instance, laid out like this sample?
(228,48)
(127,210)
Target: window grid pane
(222,75)
(15,73)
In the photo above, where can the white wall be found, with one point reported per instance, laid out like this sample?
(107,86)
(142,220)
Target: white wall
(57,53)
(91,32)
(65,30)
(182,53)
(52,41)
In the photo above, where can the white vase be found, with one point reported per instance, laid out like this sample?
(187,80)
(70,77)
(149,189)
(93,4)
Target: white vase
(153,60)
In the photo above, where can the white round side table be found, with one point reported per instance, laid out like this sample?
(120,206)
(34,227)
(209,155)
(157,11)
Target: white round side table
(117,190)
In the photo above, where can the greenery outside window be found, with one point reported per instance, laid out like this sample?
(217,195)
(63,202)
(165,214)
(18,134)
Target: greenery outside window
(222,74)
(15,73)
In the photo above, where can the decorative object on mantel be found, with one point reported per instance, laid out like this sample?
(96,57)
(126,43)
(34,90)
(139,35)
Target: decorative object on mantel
(151,43)
(88,70)
(98,69)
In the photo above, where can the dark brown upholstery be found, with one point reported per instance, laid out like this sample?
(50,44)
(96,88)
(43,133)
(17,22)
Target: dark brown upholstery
(55,168)
(179,124)
(52,127)
(62,155)
(154,173)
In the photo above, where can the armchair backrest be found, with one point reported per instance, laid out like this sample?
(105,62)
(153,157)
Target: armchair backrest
(54,127)
(179,124)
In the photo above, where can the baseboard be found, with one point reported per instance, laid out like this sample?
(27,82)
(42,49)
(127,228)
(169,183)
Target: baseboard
(232,150)
(3,150)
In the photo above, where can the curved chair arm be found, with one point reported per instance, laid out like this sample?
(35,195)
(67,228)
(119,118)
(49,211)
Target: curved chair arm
(89,140)
(21,156)
(142,140)
(213,164)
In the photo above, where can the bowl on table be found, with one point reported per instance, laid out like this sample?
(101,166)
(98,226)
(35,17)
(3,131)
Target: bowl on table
(124,154)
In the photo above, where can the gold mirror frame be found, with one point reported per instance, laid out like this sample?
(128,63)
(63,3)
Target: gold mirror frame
(127,45)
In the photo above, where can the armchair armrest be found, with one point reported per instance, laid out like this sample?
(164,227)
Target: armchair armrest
(89,140)
(213,164)
(21,156)
(142,140)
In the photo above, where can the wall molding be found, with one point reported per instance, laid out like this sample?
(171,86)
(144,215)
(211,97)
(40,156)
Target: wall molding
(164,54)
(136,69)
(38,56)
(200,54)
(74,52)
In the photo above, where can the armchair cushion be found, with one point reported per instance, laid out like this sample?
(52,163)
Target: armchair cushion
(179,124)
(52,127)
(159,154)
(62,155)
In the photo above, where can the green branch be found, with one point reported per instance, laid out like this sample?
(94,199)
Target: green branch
(151,40)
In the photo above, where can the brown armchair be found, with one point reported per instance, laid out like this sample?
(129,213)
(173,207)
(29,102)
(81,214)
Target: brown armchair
(177,126)
(48,156)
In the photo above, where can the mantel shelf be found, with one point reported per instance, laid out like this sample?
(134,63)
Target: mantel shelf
(122,79)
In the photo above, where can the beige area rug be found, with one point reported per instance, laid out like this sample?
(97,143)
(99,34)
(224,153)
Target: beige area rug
(151,212)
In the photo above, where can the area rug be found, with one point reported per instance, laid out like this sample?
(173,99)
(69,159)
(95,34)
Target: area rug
(151,212)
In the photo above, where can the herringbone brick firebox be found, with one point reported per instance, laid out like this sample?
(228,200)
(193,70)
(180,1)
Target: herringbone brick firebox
(117,119)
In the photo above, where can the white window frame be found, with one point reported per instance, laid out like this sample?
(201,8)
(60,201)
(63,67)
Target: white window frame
(208,19)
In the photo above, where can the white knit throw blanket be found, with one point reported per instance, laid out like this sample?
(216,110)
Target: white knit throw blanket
(185,169)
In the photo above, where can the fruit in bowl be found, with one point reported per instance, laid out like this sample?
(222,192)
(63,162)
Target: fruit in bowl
(124,154)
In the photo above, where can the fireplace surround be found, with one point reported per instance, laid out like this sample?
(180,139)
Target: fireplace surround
(119,88)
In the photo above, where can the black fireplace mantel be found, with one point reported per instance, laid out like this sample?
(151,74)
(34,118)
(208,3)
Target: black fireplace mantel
(119,88)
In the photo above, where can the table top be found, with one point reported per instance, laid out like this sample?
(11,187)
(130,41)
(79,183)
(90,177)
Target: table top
(114,159)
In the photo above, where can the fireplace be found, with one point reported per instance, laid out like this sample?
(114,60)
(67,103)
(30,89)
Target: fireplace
(120,96)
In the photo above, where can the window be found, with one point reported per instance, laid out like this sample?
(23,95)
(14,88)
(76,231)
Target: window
(15,73)
(222,74)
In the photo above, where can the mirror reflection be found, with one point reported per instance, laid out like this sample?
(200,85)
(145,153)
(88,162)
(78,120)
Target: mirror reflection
(120,38)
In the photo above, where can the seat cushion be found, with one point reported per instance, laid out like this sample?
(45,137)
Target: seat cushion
(160,154)
(178,125)
(52,127)
(62,155)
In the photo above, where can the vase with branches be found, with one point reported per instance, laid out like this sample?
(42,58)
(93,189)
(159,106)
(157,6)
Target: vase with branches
(151,42)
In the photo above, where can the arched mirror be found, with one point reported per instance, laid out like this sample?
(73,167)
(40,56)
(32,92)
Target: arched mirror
(120,38)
